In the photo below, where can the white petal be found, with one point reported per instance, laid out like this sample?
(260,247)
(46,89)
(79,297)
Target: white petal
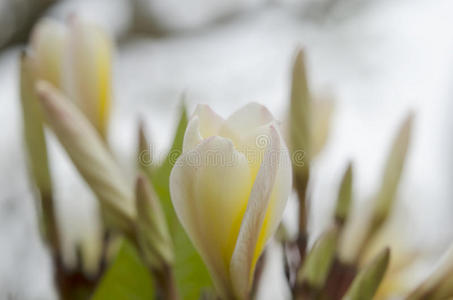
(204,123)
(48,42)
(254,145)
(280,193)
(209,189)
(245,120)
(259,220)
(210,122)
(192,136)
(88,64)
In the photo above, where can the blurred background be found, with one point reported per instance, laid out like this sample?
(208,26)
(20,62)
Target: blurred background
(377,60)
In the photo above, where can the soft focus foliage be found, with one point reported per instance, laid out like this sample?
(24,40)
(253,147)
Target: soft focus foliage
(126,279)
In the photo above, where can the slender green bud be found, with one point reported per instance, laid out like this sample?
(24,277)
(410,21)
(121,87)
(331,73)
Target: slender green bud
(33,127)
(344,197)
(393,171)
(386,195)
(367,281)
(36,150)
(152,231)
(144,152)
(300,119)
(299,140)
(319,260)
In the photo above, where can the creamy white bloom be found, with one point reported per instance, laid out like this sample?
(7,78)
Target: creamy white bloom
(229,189)
(77,59)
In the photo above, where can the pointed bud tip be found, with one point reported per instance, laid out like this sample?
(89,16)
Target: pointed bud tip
(350,166)
(42,87)
(300,55)
(140,183)
(141,179)
(183,99)
(141,130)
(44,90)
(382,259)
(408,122)
(386,253)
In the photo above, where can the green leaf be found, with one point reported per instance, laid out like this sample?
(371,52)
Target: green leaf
(126,279)
(161,176)
(190,271)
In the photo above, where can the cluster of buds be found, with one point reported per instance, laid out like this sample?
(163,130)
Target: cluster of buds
(66,78)
(228,187)
(326,271)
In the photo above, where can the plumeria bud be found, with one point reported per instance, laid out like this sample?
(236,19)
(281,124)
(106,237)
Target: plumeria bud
(36,150)
(367,281)
(344,197)
(33,127)
(153,235)
(90,155)
(300,119)
(309,121)
(229,188)
(145,159)
(300,141)
(77,59)
(319,261)
(386,195)
(89,69)
(393,170)
(48,45)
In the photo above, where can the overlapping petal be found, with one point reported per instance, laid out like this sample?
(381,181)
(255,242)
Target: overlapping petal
(48,44)
(209,187)
(229,189)
(89,75)
(203,124)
